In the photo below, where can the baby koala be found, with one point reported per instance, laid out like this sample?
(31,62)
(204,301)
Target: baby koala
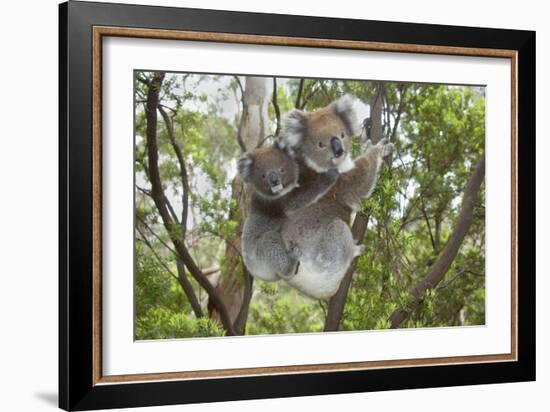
(272,174)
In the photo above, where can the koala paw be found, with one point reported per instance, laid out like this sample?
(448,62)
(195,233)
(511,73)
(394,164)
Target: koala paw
(294,252)
(297,267)
(292,271)
(366,146)
(359,249)
(387,150)
(384,147)
(333,174)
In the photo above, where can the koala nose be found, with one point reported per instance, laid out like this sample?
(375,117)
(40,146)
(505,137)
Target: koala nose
(273,179)
(336,145)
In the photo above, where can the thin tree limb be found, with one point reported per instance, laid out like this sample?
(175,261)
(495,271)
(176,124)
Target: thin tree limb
(240,321)
(188,289)
(181,278)
(172,212)
(276,107)
(402,90)
(427,220)
(299,96)
(144,191)
(166,245)
(183,170)
(159,200)
(312,93)
(159,259)
(240,85)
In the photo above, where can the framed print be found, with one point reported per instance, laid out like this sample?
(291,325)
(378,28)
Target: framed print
(257,206)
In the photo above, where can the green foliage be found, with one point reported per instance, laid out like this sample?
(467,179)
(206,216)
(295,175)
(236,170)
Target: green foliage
(162,312)
(281,309)
(161,323)
(411,213)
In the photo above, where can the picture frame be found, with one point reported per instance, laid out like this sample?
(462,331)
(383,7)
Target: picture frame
(83,27)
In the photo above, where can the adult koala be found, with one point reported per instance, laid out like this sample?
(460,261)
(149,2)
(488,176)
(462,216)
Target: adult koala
(321,232)
(271,174)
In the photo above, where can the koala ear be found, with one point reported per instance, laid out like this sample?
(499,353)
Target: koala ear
(343,107)
(244,166)
(279,144)
(294,127)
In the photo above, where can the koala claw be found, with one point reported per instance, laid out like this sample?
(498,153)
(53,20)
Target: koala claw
(367,145)
(294,251)
(359,249)
(292,271)
(387,149)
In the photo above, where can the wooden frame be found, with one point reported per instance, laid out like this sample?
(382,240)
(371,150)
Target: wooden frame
(82,27)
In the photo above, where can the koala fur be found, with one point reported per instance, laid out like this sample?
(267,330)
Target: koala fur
(272,175)
(324,135)
(321,230)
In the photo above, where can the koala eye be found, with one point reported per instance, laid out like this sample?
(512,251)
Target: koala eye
(321,145)
(343,135)
(263,176)
(282,169)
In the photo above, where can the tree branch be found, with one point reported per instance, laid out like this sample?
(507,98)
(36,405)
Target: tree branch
(142,80)
(312,93)
(150,246)
(188,289)
(358,229)
(181,278)
(402,90)
(240,85)
(337,302)
(299,96)
(276,107)
(440,268)
(159,200)
(166,245)
(427,220)
(143,190)
(240,321)
(183,170)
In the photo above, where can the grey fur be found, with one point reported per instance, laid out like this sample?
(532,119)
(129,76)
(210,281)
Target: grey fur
(344,108)
(295,127)
(264,253)
(244,167)
(321,231)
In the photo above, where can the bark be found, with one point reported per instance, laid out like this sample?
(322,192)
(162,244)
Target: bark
(276,107)
(188,289)
(240,321)
(358,228)
(235,284)
(183,171)
(447,256)
(254,120)
(299,96)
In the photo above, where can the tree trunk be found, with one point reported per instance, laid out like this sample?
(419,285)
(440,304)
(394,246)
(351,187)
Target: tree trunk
(359,226)
(235,284)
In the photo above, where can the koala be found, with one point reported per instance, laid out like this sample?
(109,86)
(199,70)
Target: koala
(324,135)
(321,231)
(272,174)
